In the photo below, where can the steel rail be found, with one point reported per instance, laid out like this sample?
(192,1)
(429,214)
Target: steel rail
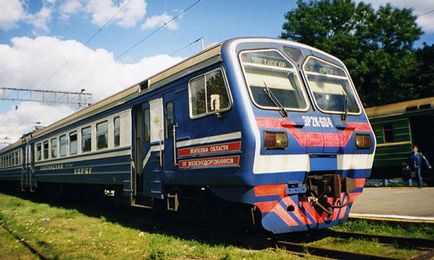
(327,252)
(25,243)
(401,241)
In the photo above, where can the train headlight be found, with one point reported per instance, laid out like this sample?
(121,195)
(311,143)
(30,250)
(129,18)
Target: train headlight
(363,141)
(275,140)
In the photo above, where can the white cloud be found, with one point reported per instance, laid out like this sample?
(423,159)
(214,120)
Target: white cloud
(32,63)
(41,19)
(419,7)
(159,20)
(124,15)
(12,12)
(70,7)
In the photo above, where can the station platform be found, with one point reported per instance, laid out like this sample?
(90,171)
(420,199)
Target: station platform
(406,204)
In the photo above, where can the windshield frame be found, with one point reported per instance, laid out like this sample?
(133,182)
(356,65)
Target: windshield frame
(299,81)
(347,76)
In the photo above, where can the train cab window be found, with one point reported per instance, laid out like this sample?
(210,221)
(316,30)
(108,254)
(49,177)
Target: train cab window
(273,81)
(73,142)
(330,86)
(86,139)
(45,150)
(147,125)
(38,152)
(169,115)
(208,94)
(63,145)
(101,135)
(117,131)
(388,133)
(54,148)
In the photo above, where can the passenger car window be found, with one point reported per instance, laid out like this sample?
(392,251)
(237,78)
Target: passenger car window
(38,152)
(86,139)
(73,142)
(208,94)
(54,148)
(45,150)
(117,131)
(170,119)
(147,125)
(63,145)
(101,135)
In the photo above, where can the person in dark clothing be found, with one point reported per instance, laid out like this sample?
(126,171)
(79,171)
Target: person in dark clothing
(415,161)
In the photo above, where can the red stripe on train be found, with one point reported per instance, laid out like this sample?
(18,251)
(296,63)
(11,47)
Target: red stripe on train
(314,138)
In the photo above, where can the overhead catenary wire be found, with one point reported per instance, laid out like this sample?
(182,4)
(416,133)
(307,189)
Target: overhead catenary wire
(141,40)
(165,24)
(426,13)
(100,29)
(186,46)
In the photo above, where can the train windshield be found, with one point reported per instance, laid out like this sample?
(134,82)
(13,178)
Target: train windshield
(273,81)
(330,86)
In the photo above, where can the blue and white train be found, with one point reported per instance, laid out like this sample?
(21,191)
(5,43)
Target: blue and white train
(271,124)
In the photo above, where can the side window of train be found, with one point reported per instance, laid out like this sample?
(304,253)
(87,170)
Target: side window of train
(63,145)
(45,150)
(102,135)
(117,131)
(38,152)
(169,114)
(86,139)
(54,148)
(208,94)
(146,125)
(73,142)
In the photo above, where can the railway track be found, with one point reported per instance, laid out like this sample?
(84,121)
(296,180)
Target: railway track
(303,247)
(32,249)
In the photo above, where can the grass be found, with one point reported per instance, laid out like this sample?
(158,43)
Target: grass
(382,228)
(91,231)
(63,233)
(12,249)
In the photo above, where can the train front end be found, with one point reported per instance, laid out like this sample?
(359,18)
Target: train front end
(308,145)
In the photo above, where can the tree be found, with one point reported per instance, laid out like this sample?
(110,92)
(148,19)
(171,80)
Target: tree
(376,45)
(424,79)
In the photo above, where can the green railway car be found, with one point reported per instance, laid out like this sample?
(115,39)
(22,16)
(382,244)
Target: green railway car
(397,128)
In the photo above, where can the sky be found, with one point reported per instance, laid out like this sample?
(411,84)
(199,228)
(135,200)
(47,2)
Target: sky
(71,45)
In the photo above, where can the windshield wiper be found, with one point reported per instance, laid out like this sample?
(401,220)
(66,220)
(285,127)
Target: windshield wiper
(345,107)
(275,101)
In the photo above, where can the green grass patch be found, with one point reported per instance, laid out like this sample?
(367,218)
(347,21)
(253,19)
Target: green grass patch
(62,233)
(387,228)
(366,247)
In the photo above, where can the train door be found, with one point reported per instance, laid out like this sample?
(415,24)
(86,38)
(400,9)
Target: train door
(170,125)
(138,139)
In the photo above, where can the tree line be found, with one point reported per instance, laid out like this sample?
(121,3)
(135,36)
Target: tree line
(377,46)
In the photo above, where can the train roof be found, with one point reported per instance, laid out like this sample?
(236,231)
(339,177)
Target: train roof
(400,108)
(204,58)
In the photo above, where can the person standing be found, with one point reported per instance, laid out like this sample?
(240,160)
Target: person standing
(415,161)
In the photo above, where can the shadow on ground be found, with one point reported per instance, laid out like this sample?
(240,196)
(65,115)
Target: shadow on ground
(220,228)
